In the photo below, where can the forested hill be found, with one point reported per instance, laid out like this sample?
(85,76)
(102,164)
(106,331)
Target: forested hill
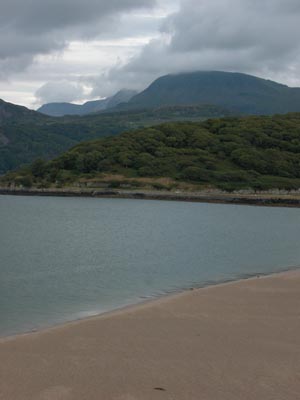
(26,135)
(237,92)
(11,112)
(229,153)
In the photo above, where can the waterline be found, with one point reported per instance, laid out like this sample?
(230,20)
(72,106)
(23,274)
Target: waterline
(64,258)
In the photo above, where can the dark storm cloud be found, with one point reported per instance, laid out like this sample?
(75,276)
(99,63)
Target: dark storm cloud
(32,27)
(36,16)
(254,36)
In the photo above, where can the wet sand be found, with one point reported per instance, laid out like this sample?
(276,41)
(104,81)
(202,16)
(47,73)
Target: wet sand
(236,341)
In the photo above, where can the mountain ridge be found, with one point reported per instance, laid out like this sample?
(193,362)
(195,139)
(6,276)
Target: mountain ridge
(60,109)
(9,111)
(236,91)
(26,134)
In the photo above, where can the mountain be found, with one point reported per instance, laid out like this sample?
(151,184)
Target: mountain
(10,112)
(10,115)
(61,109)
(26,135)
(235,91)
(123,96)
(259,152)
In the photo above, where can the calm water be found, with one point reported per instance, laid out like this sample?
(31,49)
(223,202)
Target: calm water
(66,258)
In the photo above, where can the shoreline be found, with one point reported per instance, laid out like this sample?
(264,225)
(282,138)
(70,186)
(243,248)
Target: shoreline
(237,340)
(144,302)
(259,199)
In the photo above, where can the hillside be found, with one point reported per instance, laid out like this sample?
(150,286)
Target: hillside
(26,135)
(237,92)
(61,109)
(12,112)
(230,153)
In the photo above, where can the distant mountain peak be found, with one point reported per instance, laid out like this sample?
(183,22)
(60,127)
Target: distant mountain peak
(61,109)
(237,91)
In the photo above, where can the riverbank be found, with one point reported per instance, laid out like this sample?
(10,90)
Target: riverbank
(258,199)
(233,341)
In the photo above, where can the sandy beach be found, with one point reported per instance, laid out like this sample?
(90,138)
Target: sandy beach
(234,341)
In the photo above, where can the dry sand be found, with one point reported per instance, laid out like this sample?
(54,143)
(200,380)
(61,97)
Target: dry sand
(235,341)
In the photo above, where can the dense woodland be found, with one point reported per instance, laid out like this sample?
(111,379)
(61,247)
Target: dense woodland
(228,153)
(27,135)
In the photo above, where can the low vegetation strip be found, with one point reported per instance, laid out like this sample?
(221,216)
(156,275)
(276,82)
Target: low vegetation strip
(258,199)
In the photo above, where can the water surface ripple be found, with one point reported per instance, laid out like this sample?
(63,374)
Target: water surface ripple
(67,258)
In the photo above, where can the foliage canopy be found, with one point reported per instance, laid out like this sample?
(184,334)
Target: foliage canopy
(229,153)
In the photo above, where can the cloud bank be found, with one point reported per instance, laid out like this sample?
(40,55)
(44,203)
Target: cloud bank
(33,27)
(108,45)
(252,36)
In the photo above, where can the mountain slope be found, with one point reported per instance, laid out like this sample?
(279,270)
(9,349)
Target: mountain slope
(230,153)
(9,112)
(61,109)
(123,96)
(235,91)
(26,135)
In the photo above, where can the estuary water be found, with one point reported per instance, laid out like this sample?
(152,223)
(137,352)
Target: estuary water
(67,258)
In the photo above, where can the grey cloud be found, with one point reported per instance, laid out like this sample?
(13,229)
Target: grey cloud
(252,36)
(13,45)
(140,25)
(32,27)
(234,24)
(44,16)
(62,91)
(7,67)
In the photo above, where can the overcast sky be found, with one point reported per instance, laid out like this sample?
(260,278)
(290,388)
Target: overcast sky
(74,50)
